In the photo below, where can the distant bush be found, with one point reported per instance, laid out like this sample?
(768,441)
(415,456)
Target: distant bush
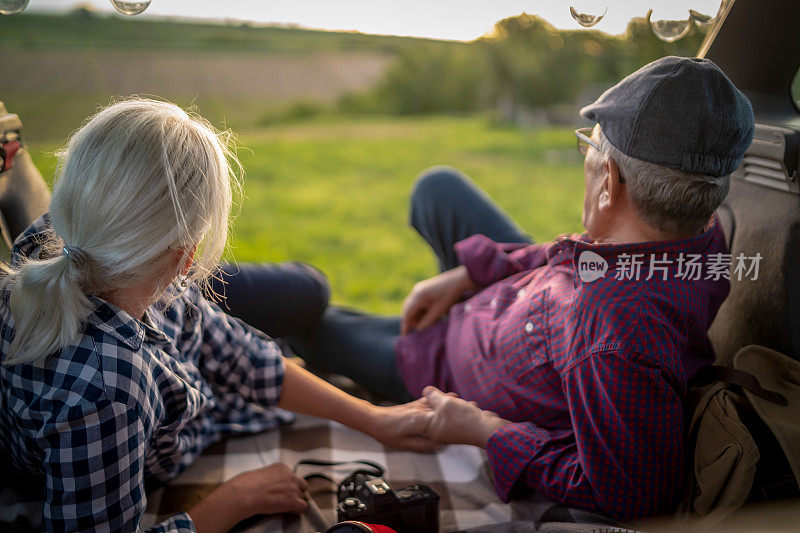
(296,111)
(361,102)
(83,11)
(435,80)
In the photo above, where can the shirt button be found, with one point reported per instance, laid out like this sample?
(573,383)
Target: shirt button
(493,303)
(521,293)
(529,327)
(468,307)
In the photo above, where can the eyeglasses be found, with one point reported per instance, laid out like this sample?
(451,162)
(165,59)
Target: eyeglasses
(584,136)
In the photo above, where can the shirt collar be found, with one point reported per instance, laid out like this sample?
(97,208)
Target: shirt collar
(117,323)
(29,243)
(568,249)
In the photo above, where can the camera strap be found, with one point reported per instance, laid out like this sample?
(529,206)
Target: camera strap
(372,468)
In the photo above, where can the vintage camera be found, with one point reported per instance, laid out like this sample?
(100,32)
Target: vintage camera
(370,499)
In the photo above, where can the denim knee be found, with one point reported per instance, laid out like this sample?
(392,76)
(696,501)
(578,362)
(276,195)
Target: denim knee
(317,291)
(434,187)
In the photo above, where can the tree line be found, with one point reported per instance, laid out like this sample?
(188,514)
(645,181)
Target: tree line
(524,63)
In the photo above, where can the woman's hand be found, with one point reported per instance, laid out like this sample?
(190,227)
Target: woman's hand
(456,421)
(402,425)
(433,297)
(269,490)
(272,489)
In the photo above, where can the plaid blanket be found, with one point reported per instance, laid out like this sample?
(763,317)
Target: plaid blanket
(459,474)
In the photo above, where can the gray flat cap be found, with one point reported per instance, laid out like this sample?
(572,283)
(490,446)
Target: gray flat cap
(677,112)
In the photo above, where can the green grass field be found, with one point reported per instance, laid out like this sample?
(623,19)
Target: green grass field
(334,192)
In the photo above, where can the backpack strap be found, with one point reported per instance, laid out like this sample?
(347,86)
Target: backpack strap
(745,380)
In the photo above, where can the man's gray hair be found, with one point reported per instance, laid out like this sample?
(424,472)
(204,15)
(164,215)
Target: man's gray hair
(673,201)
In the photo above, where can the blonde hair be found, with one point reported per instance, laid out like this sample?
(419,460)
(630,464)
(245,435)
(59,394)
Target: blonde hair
(140,178)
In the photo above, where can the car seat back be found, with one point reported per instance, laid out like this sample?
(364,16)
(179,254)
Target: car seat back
(762,211)
(761,217)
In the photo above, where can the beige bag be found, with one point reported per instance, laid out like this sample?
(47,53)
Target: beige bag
(733,413)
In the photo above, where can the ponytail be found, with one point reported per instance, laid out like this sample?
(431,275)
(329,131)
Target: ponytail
(48,305)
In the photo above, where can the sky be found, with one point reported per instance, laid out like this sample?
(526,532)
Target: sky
(438,19)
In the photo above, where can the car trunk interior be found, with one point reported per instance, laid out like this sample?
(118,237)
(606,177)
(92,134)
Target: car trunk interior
(758,48)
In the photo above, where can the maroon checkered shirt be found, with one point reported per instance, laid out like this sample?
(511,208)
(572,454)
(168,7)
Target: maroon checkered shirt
(591,373)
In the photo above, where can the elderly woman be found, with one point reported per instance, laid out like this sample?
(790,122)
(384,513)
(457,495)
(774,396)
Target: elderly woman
(116,370)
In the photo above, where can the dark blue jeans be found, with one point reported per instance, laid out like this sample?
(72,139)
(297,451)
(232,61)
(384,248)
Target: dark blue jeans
(446,207)
(279,299)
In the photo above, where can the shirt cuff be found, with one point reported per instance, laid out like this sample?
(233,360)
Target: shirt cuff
(510,449)
(483,259)
(178,523)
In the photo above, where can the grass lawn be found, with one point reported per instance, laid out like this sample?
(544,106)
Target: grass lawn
(334,192)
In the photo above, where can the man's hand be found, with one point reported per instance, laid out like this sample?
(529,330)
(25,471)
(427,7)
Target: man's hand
(402,425)
(432,298)
(459,422)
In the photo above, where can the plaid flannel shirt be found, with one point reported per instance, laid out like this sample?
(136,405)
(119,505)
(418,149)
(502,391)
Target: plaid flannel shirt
(592,374)
(131,400)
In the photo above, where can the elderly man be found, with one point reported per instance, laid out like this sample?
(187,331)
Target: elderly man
(568,361)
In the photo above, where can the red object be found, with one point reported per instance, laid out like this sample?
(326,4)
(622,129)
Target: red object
(352,525)
(7,152)
(377,528)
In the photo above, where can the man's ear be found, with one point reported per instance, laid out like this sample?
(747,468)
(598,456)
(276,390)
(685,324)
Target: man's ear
(611,187)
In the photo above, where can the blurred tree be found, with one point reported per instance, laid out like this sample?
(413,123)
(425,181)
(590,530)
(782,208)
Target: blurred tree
(435,79)
(523,65)
(532,64)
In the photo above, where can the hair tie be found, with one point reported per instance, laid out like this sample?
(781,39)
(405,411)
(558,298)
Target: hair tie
(74,254)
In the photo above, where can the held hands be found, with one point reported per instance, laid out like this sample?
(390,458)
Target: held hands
(432,298)
(436,418)
(402,426)
(456,421)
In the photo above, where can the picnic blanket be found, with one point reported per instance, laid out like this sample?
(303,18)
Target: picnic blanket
(459,474)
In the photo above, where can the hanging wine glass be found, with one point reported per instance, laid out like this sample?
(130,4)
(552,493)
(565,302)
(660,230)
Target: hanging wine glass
(701,19)
(669,25)
(587,13)
(12,7)
(705,15)
(130,7)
